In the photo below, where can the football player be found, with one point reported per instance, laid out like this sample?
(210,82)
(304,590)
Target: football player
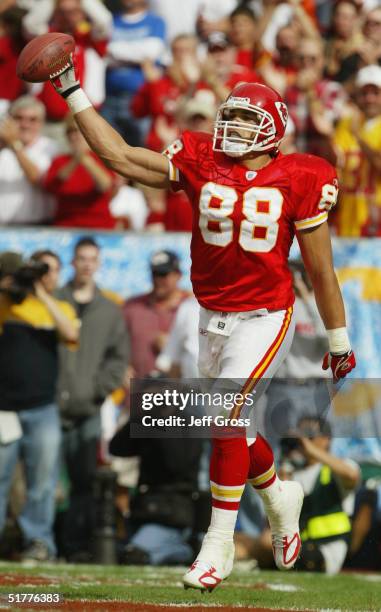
(248,202)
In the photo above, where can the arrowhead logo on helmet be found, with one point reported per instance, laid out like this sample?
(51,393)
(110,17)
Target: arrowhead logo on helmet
(253,118)
(283,112)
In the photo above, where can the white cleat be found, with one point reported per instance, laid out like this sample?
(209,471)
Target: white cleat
(214,564)
(283,517)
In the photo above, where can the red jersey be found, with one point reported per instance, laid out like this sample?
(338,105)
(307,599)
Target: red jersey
(244,221)
(178,213)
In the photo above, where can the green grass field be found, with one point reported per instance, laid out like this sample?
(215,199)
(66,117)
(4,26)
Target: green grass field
(100,587)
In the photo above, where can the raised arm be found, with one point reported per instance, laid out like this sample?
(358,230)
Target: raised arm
(142,165)
(346,471)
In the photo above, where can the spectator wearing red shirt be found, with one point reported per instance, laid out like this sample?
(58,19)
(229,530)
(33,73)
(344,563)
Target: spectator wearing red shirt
(149,317)
(82,185)
(344,38)
(220,70)
(11,43)
(281,71)
(89,22)
(161,94)
(244,35)
(314,103)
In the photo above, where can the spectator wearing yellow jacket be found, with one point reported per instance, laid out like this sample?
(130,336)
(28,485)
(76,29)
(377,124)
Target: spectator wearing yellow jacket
(357,144)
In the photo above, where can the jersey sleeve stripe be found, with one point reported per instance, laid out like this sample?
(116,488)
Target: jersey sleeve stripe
(173,172)
(312,221)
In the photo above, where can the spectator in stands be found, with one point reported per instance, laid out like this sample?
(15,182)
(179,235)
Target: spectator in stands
(179,357)
(11,43)
(356,427)
(50,280)
(203,16)
(149,317)
(220,70)
(324,10)
(329,483)
(81,184)
(314,103)
(213,16)
(138,36)
(33,323)
(89,22)
(357,142)
(197,114)
(365,547)
(161,94)
(244,36)
(24,156)
(86,378)
(281,71)
(344,38)
(368,52)
(128,206)
(162,509)
(277,14)
(26,5)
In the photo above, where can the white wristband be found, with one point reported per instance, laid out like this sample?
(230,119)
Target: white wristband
(338,341)
(78,101)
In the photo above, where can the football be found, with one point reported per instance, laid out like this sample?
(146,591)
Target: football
(43,56)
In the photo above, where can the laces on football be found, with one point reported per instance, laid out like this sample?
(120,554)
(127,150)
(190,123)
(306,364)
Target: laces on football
(54,75)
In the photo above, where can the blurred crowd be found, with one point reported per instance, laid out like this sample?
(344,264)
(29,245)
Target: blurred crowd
(153,70)
(74,484)
(68,354)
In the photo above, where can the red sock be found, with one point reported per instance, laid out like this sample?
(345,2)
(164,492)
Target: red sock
(229,468)
(262,470)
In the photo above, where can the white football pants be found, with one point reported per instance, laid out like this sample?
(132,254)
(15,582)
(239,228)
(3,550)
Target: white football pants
(242,351)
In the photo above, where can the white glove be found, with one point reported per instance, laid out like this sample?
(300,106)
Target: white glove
(65,81)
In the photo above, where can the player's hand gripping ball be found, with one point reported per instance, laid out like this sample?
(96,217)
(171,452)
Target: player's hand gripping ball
(340,365)
(45,57)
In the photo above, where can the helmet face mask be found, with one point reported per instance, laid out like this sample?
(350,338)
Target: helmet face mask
(255,127)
